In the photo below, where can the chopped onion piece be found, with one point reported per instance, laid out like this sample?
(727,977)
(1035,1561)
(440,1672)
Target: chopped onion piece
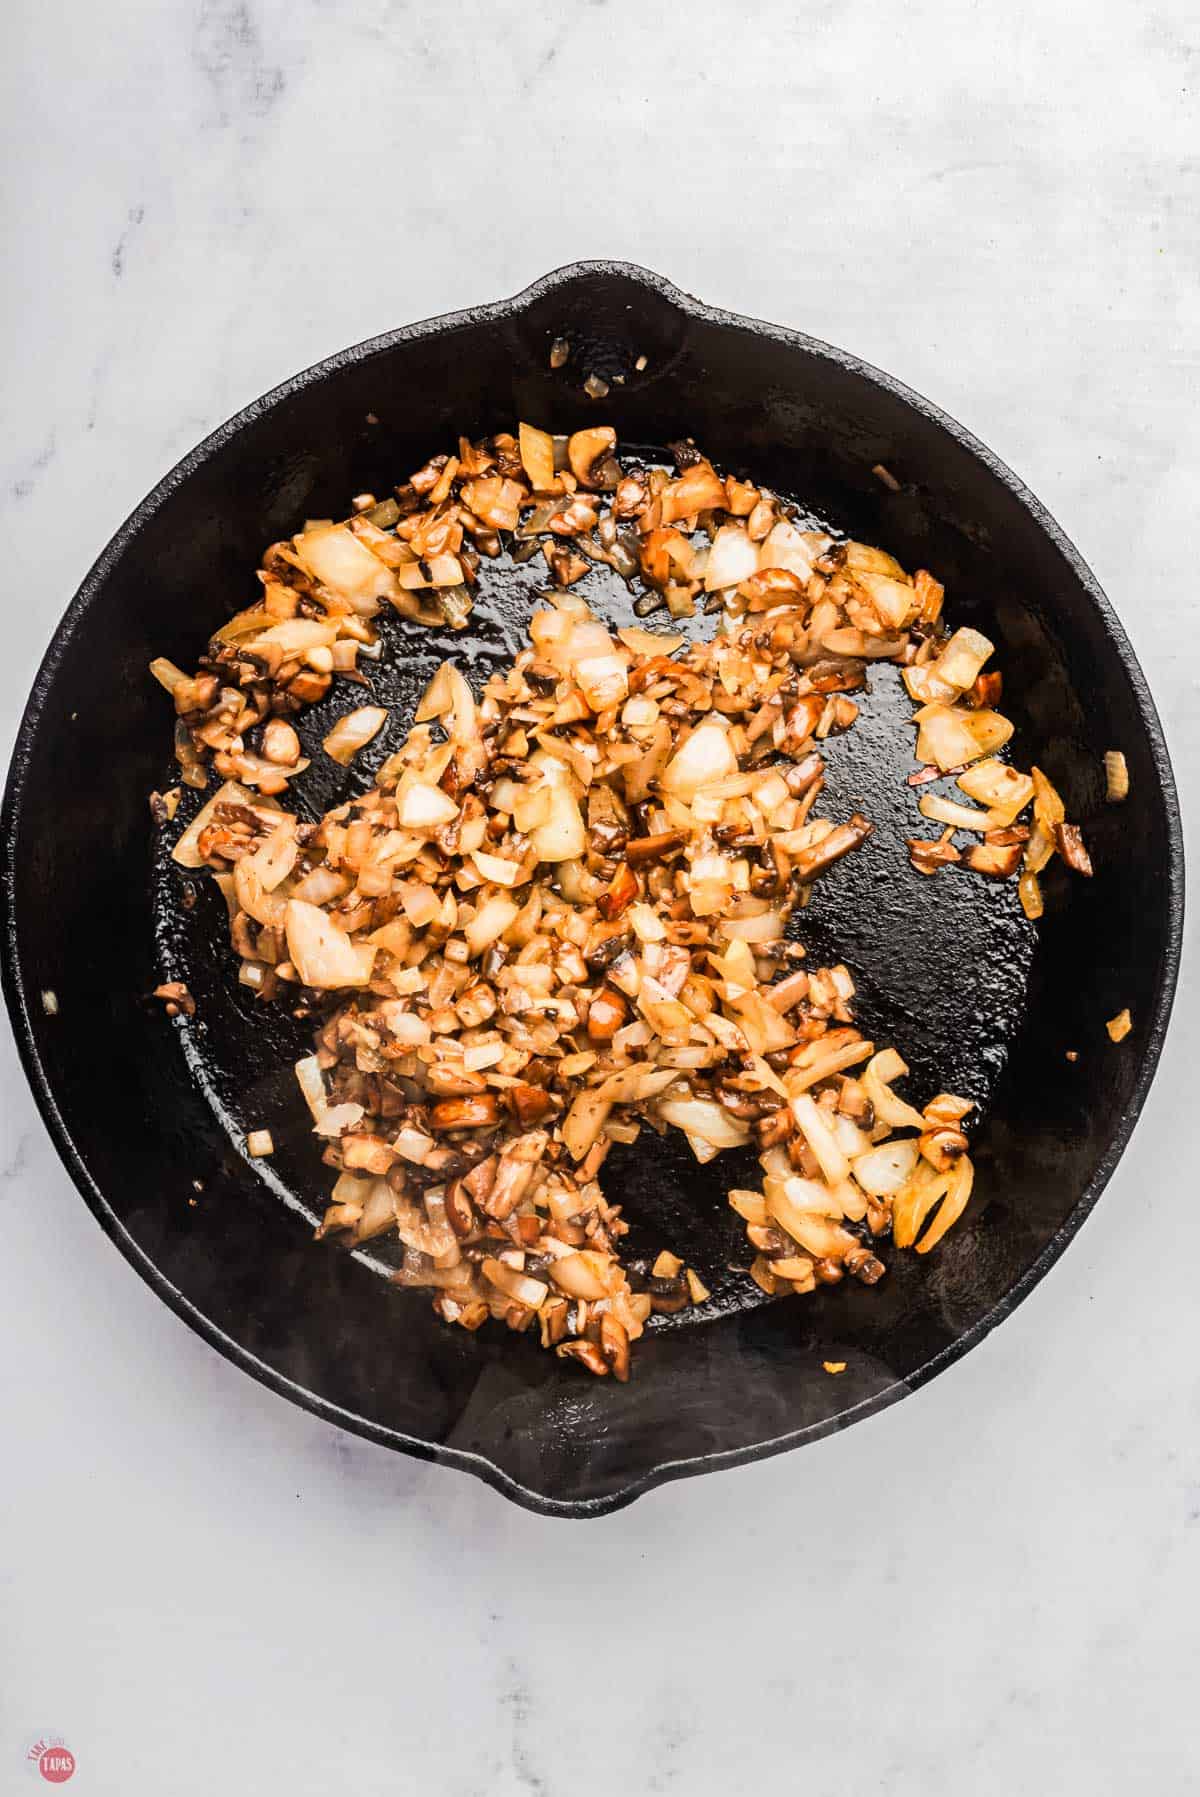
(603,680)
(820,1138)
(437,698)
(562,837)
(649,642)
(883,1170)
(962,658)
(881,1070)
(732,559)
(324,956)
(185,852)
(583,1123)
(515,1285)
(295,638)
(353,732)
(274,860)
(423,807)
(945,737)
(957,817)
(989,731)
(537,456)
(1119,1026)
(1116,776)
(952,1206)
(703,1118)
(496,869)
(338,1117)
(1003,789)
(311,1081)
(795,550)
(167,674)
(336,557)
(582,1275)
(893,600)
(706,756)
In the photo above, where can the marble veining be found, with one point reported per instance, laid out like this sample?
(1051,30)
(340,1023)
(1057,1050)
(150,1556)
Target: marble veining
(228,50)
(992,1585)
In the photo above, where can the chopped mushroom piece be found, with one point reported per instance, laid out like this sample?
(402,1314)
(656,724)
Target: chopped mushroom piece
(998,861)
(1070,847)
(929,854)
(839,842)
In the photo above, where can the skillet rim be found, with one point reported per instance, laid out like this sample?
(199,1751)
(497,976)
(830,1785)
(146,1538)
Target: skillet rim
(479,1465)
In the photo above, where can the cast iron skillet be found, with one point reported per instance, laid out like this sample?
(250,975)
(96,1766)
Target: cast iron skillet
(141,1108)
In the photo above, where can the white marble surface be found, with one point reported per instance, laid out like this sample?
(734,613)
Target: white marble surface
(994,1584)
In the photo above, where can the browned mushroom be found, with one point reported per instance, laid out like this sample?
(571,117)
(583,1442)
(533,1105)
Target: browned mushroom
(928,855)
(643,849)
(614,1346)
(586,1353)
(840,841)
(477,1112)
(994,859)
(591,456)
(1071,848)
(621,893)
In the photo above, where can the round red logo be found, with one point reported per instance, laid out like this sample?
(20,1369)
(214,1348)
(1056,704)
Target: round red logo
(56,1765)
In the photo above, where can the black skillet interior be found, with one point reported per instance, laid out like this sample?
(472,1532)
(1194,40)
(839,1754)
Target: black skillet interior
(150,1115)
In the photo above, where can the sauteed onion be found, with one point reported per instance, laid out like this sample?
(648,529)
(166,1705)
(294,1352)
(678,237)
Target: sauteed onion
(557,919)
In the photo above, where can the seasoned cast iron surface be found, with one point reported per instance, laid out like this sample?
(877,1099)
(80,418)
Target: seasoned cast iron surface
(149,1115)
